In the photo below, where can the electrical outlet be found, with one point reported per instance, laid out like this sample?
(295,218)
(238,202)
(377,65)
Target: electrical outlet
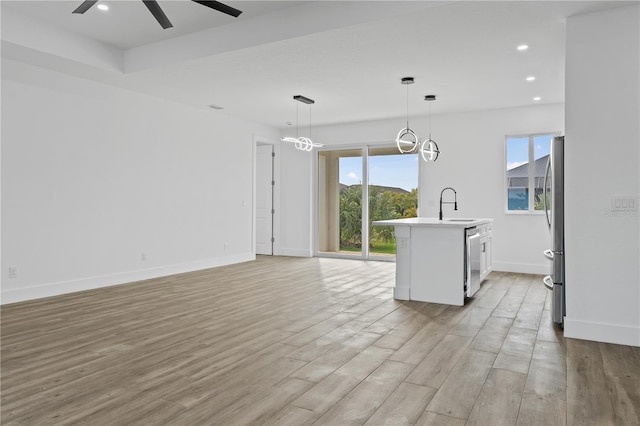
(13,272)
(226,245)
(402,242)
(144,257)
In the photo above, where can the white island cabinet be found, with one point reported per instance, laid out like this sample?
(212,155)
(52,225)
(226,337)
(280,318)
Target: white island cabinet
(436,261)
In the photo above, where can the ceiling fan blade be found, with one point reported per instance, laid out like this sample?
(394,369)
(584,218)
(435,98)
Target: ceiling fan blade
(220,7)
(86,5)
(157,13)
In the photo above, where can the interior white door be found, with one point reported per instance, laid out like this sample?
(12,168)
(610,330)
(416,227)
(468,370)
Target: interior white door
(264,199)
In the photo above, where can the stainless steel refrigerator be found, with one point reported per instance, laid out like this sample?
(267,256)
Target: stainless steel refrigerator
(554,209)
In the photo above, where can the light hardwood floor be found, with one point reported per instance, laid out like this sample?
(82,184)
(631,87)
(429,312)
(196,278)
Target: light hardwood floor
(295,341)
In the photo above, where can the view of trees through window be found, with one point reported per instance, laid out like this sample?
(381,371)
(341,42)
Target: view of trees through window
(384,203)
(391,181)
(393,194)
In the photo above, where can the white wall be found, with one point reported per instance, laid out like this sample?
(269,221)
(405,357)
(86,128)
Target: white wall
(472,161)
(602,161)
(94,176)
(295,202)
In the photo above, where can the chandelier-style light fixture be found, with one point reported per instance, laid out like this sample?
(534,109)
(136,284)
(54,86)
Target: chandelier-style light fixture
(407,140)
(429,149)
(302,143)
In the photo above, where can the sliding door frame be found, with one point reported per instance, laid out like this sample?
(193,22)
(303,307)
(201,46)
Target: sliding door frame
(364,147)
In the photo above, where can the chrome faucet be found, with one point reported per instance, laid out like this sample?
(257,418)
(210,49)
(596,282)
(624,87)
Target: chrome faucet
(454,202)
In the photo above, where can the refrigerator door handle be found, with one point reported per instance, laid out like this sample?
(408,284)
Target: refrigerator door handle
(544,197)
(557,270)
(548,283)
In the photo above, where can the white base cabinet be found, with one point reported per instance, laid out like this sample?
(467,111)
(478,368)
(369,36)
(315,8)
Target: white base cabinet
(430,258)
(485,250)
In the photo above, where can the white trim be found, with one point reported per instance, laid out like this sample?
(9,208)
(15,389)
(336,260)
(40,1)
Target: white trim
(602,332)
(522,268)
(401,293)
(90,283)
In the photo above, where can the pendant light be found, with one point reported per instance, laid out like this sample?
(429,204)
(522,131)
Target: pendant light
(407,141)
(302,143)
(429,149)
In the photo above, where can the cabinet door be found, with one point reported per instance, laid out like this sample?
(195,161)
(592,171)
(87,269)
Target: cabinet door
(485,256)
(489,253)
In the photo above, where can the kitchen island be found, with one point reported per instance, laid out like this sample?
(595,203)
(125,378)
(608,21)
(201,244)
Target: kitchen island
(440,261)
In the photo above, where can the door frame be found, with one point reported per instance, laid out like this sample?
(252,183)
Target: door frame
(364,146)
(262,140)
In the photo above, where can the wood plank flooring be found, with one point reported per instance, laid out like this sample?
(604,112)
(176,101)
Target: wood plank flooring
(300,341)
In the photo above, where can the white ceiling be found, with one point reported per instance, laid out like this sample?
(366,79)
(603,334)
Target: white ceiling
(347,56)
(129,24)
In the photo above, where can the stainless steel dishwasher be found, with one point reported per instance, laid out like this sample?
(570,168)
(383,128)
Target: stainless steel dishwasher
(472,261)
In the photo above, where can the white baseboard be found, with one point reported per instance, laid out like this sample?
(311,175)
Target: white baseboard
(295,252)
(64,287)
(602,332)
(401,293)
(522,268)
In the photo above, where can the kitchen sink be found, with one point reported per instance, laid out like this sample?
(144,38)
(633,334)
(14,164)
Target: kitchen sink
(459,220)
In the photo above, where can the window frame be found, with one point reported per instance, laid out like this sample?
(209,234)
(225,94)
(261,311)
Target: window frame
(531,173)
(365,147)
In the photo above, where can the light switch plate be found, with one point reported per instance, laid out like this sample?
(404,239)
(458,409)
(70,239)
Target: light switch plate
(624,203)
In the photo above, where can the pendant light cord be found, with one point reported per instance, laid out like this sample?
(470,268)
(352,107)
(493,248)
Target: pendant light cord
(309,121)
(407,107)
(429,120)
(297,121)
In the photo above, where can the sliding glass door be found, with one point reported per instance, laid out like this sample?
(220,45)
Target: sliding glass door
(393,194)
(346,207)
(340,202)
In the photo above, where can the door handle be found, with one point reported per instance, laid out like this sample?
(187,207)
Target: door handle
(544,194)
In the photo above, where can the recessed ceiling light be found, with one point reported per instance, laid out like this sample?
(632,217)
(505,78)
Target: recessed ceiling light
(531,78)
(214,106)
(103,7)
(522,47)
(537,98)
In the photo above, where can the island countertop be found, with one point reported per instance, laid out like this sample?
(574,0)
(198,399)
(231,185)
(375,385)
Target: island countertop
(453,222)
(440,261)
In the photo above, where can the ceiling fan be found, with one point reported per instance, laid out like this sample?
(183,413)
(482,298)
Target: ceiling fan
(157,12)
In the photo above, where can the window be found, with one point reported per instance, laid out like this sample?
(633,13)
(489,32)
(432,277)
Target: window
(356,187)
(526,161)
